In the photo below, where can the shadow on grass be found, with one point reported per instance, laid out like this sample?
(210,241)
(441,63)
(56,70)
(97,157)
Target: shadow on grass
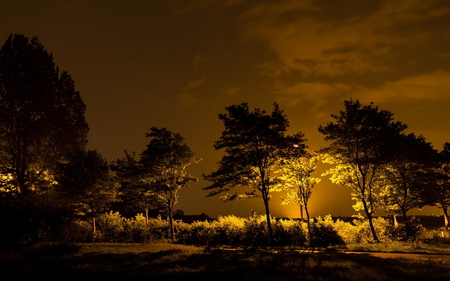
(220,265)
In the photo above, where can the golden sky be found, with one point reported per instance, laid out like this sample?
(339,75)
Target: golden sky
(178,64)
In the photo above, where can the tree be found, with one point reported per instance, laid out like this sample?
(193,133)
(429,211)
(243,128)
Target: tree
(406,176)
(41,114)
(441,188)
(254,143)
(164,165)
(84,182)
(361,144)
(297,179)
(136,191)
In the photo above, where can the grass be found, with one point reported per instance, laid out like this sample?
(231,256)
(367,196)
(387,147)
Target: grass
(102,261)
(398,247)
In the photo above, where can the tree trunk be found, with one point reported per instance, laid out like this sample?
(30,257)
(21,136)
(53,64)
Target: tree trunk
(407,224)
(445,209)
(269,223)
(308,221)
(369,218)
(301,212)
(172,231)
(94,228)
(395,221)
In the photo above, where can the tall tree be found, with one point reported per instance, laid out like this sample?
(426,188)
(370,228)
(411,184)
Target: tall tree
(41,114)
(254,143)
(84,182)
(297,179)
(135,189)
(164,164)
(406,176)
(361,144)
(441,188)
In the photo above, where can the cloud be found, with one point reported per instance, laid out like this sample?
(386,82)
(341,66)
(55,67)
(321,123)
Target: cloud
(200,59)
(310,38)
(195,84)
(317,93)
(233,91)
(431,86)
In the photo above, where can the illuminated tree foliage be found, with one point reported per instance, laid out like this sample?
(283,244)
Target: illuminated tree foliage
(41,114)
(85,183)
(361,144)
(441,188)
(297,170)
(254,143)
(164,165)
(405,176)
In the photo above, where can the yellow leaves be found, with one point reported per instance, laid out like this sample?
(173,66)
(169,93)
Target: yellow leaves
(297,179)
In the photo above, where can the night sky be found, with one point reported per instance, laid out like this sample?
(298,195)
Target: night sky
(179,63)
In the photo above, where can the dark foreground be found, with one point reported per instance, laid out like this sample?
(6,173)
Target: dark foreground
(177,264)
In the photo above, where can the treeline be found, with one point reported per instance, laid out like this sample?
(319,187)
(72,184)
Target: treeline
(52,187)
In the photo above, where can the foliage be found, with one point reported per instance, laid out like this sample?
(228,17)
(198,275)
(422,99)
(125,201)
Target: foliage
(361,144)
(441,182)
(41,115)
(164,165)
(297,169)
(84,182)
(297,179)
(406,178)
(135,193)
(254,143)
(32,219)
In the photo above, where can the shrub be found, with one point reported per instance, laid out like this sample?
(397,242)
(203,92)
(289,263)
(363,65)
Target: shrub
(110,227)
(137,230)
(289,233)
(324,233)
(436,237)
(407,233)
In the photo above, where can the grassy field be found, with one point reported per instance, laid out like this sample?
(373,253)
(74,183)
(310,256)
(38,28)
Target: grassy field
(140,262)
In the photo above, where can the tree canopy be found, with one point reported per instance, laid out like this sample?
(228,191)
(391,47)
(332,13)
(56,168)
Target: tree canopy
(362,140)
(164,166)
(83,180)
(254,143)
(41,114)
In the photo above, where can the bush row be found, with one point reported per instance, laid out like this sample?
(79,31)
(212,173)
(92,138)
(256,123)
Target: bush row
(248,232)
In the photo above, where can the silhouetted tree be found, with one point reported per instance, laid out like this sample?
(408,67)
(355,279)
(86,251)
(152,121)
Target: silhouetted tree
(41,114)
(85,183)
(254,143)
(361,144)
(136,191)
(441,188)
(164,164)
(406,175)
